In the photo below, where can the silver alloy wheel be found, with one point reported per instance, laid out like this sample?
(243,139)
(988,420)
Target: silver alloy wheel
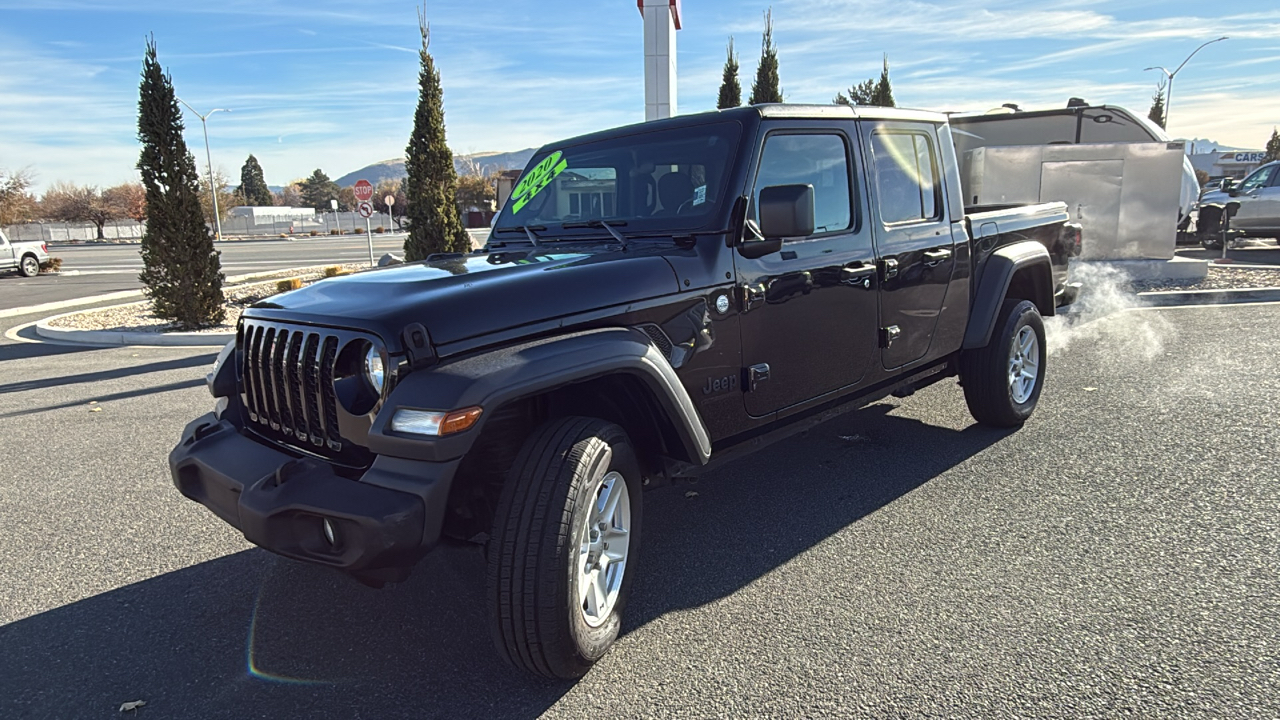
(1024,365)
(603,541)
(30,266)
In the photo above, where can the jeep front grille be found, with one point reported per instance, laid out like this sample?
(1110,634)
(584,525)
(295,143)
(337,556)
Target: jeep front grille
(290,382)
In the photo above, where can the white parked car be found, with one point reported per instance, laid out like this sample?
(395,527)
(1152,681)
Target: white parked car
(25,257)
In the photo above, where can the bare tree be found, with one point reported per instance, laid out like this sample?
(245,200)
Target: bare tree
(69,202)
(227,199)
(128,200)
(17,204)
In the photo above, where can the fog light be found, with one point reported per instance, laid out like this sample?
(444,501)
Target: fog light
(329,533)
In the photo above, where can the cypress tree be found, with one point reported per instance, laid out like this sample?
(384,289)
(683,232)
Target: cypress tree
(1273,147)
(730,89)
(1156,113)
(883,94)
(431,185)
(181,272)
(766,88)
(858,94)
(253,187)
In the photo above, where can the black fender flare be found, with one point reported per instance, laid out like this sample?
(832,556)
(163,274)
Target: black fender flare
(997,275)
(493,378)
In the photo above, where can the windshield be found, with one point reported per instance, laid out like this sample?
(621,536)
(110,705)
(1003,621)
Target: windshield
(669,179)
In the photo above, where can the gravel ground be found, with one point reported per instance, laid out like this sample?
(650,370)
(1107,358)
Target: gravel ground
(1219,278)
(137,317)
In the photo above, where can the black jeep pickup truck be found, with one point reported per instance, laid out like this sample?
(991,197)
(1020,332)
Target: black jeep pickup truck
(653,299)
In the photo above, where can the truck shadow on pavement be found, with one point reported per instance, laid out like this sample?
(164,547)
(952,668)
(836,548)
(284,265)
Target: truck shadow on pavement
(250,634)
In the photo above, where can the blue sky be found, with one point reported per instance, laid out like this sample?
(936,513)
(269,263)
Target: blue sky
(333,84)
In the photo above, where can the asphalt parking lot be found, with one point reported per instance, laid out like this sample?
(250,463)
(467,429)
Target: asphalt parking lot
(95,269)
(1117,557)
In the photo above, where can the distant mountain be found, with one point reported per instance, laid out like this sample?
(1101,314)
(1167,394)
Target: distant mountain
(375,173)
(1204,145)
(485,162)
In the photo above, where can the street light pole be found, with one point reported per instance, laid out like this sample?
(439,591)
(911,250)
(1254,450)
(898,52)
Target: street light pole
(1168,98)
(213,190)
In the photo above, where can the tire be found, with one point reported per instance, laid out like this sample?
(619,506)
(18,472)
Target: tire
(1211,242)
(987,373)
(536,566)
(29,266)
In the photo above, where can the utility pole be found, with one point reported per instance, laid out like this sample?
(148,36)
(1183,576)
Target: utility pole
(213,191)
(1168,98)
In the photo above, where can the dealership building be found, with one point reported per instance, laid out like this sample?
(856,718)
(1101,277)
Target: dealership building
(1228,163)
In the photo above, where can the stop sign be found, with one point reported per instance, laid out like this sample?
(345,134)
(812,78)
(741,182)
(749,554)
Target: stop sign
(363,190)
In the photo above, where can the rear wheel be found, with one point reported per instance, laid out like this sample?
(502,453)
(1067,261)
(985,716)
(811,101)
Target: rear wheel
(1002,381)
(562,549)
(29,267)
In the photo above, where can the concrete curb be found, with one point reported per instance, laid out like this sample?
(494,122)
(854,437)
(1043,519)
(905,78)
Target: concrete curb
(1241,266)
(105,337)
(1174,298)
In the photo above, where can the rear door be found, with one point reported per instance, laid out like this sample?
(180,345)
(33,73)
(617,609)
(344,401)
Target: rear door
(914,237)
(809,311)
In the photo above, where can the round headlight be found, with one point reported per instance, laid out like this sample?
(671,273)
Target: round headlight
(373,370)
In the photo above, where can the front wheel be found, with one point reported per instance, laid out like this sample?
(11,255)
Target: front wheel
(1002,381)
(562,550)
(29,267)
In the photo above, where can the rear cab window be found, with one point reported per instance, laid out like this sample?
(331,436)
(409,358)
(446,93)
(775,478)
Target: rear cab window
(906,176)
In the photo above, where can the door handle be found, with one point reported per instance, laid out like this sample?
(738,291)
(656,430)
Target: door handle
(857,274)
(890,268)
(933,258)
(749,295)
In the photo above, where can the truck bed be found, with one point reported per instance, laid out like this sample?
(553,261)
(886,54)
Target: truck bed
(991,226)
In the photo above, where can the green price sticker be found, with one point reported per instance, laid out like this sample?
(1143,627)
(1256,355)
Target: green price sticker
(538,179)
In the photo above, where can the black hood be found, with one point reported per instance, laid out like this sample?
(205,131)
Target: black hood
(466,296)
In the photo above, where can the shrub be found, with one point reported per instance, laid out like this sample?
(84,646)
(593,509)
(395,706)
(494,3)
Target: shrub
(357,231)
(379,229)
(284,235)
(314,233)
(290,284)
(51,265)
(335,231)
(333,271)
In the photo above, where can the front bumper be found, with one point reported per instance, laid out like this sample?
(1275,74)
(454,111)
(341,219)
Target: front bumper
(381,523)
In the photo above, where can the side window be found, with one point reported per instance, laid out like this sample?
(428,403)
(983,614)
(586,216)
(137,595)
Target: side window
(906,176)
(1258,179)
(818,160)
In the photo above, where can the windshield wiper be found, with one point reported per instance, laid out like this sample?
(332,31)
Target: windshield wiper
(607,225)
(528,231)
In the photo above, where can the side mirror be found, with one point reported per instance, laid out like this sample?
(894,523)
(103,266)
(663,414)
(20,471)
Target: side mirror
(786,211)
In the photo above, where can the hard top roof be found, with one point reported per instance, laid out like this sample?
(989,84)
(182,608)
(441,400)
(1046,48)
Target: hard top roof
(755,113)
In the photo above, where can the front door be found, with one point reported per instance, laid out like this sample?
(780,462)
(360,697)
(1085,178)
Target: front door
(1258,201)
(6,252)
(913,236)
(809,311)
